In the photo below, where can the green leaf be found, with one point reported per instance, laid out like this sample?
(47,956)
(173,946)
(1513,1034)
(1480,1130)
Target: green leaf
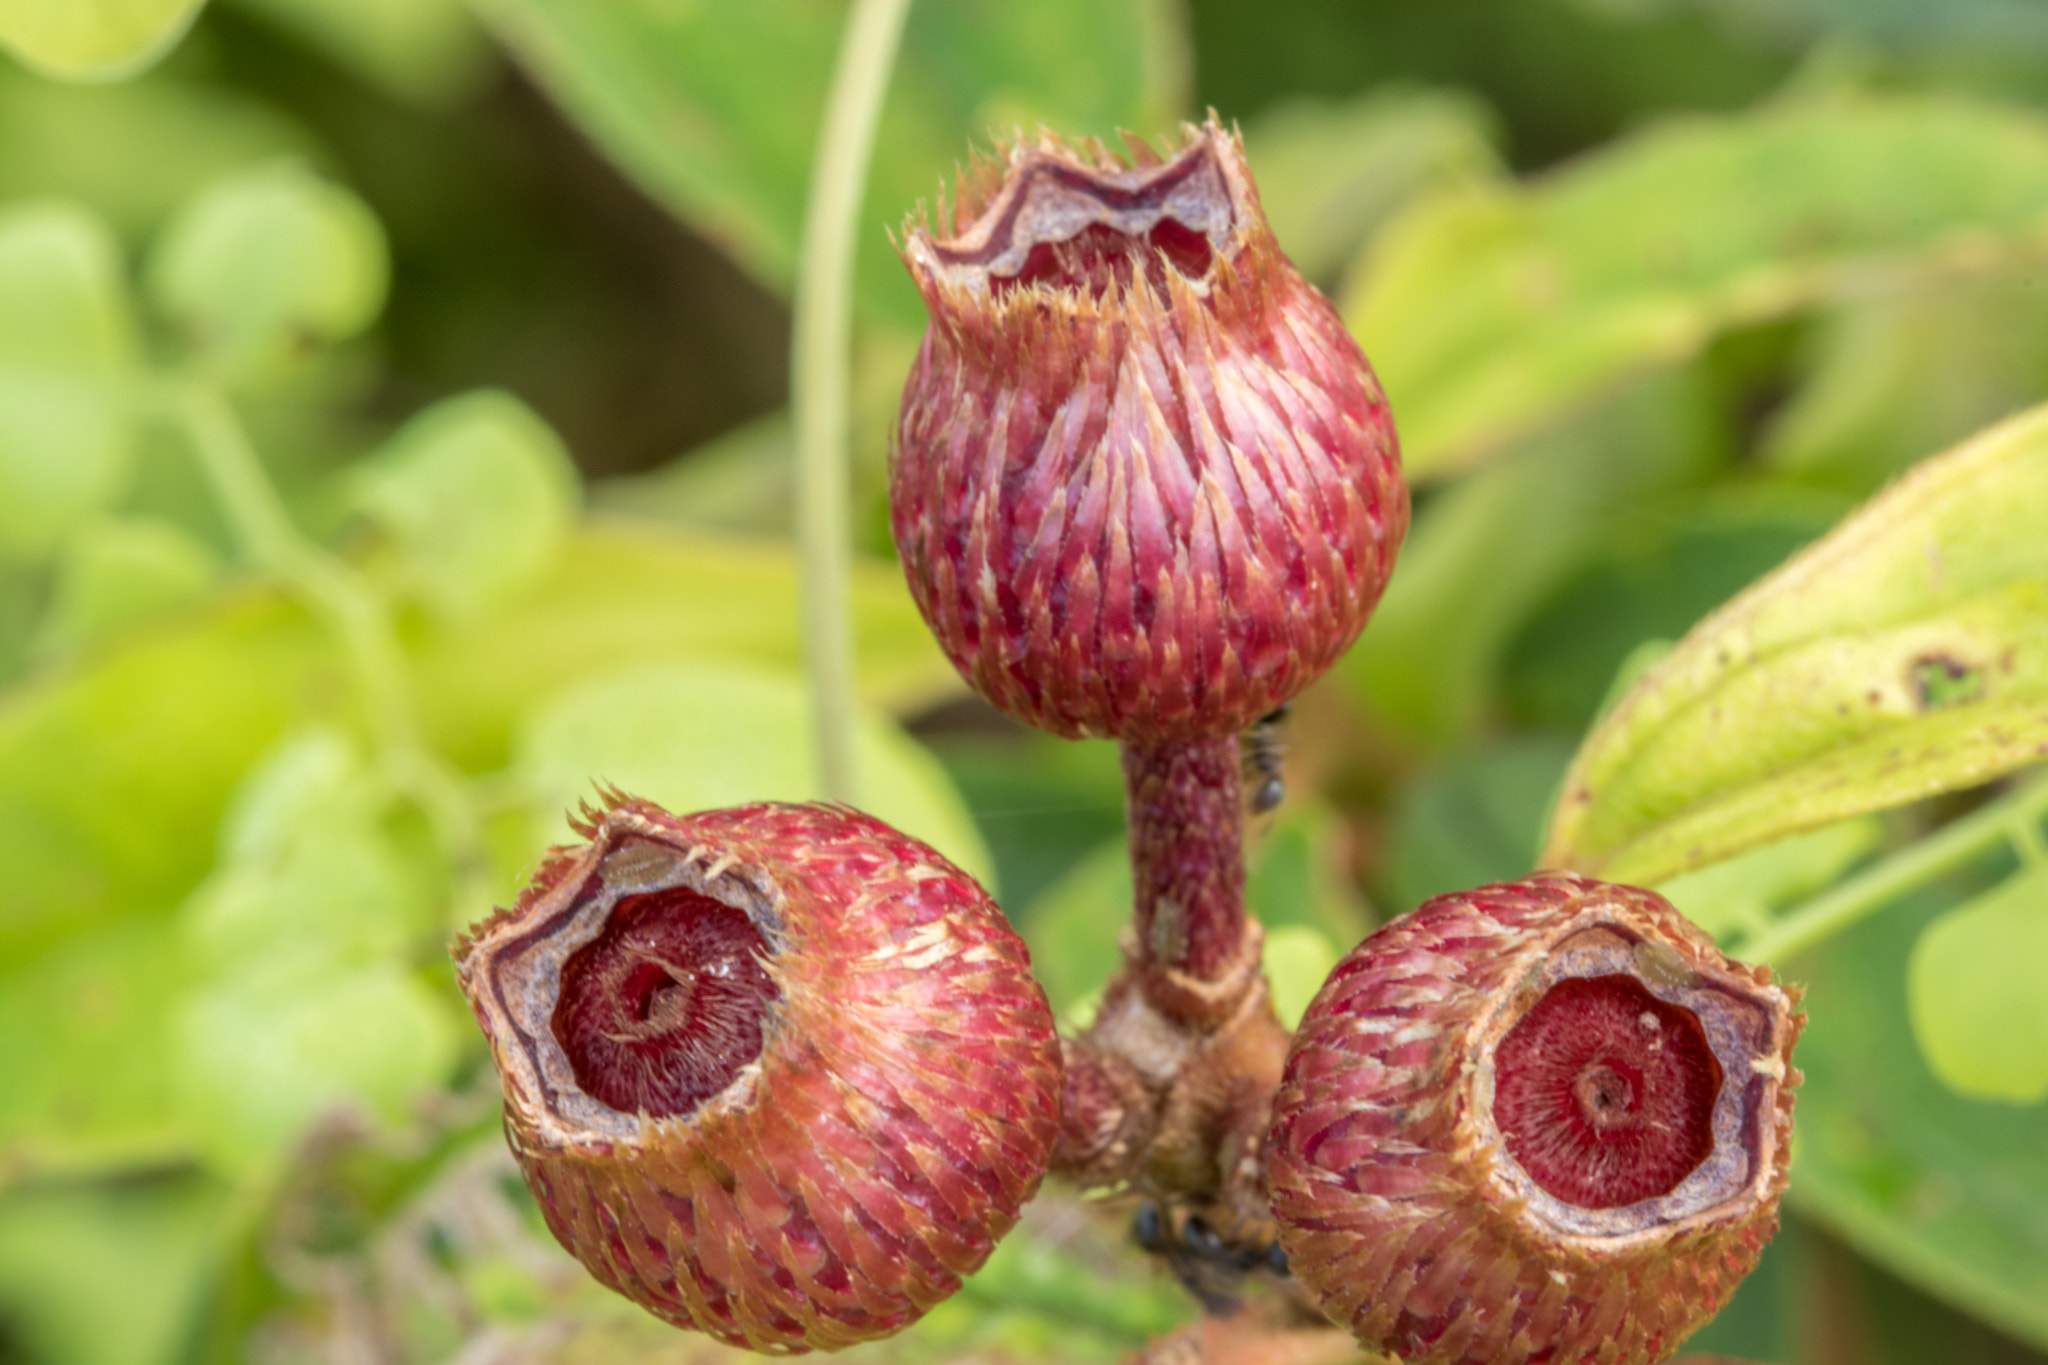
(261,1054)
(1088,1301)
(88,1062)
(1903,655)
(68,1252)
(1974,989)
(114,774)
(1651,576)
(115,783)
(1487,552)
(1986,23)
(1741,893)
(1298,960)
(676,95)
(1041,803)
(427,51)
(1912,370)
(313,781)
(113,777)
(306,872)
(1492,311)
(93,39)
(1298,875)
(743,482)
(134,151)
(628,595)
(479,495)
(303,1000)
(66,345)
(1072,926)
(120,572)
(699,736)
(1472,819)
(1330,174)
(1949,1193)
(266,263)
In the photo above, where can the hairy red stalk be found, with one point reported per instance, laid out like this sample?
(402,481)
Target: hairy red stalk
(1186,819)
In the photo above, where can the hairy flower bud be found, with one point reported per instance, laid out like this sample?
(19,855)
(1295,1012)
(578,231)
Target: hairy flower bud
(1145,485)
(778,1073)
(1541,1121)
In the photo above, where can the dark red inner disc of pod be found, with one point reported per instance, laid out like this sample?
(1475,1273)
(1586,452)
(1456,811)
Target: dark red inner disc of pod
(662,1010)
(1605,1094)
(1099,258)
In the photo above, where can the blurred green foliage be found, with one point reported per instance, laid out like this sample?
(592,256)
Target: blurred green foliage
(491,294)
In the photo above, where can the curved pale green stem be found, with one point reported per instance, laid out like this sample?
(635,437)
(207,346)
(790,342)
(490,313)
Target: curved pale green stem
(821,350)
(2014,818)
(351,611)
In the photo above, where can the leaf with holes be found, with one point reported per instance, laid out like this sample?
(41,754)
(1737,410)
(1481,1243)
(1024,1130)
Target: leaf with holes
(1903,655)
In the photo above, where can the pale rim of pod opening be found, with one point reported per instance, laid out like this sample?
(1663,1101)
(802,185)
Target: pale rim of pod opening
(779,1073)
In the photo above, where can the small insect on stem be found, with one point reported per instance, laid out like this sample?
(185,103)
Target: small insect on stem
(1210,1265)
(1265,756)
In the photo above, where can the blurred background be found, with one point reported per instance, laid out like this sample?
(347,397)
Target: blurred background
(498,293)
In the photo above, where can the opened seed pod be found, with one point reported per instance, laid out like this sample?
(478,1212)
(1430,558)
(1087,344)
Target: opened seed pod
(778,1073)
(1545,1121)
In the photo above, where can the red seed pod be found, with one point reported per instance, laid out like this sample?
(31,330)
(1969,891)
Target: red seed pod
(1144,485)
(1545,1121)
(778,1073)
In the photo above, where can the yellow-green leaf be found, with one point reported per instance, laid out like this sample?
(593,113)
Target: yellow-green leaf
(1492,310)
(262,264)
(1974,991)
(1947,1192)
(83,1041)
(115,773)
(1741,894)
(625,595)
(1904,654)
(258,1055)
(479,495)
(66,349)
(93,39)
(1330,174)
(705,735)
(119,572)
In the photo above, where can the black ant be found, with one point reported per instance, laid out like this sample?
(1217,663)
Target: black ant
(1210,1266)
(1264,751)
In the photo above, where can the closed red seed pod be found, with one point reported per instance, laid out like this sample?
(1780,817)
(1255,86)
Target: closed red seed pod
(1144,484)
(1545,1121)
(778,1073)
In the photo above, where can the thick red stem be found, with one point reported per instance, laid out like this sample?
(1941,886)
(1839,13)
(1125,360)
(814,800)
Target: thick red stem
(1187,856)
